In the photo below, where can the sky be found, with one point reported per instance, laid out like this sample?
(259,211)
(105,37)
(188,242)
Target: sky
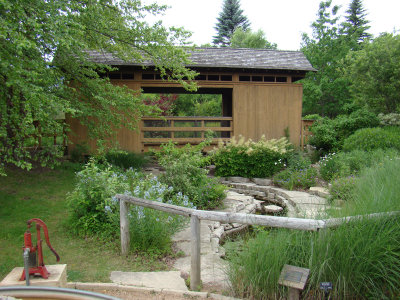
(283,21)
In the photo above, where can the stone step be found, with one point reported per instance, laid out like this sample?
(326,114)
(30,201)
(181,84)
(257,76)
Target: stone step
(171,280)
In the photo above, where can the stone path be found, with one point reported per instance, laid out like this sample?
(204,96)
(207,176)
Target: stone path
(245,196)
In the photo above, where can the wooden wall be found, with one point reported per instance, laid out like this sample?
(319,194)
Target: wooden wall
(267,110)
(258,108)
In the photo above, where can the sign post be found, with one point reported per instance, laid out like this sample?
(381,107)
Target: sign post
(295,278)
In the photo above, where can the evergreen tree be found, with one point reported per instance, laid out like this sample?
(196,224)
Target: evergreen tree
(229,19)
(356,23)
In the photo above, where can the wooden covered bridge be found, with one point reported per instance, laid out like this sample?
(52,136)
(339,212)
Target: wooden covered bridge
(259,88)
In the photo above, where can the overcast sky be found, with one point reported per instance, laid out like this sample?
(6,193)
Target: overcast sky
(283,21)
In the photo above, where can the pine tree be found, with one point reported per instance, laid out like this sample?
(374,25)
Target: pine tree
(356,23)
(229,19)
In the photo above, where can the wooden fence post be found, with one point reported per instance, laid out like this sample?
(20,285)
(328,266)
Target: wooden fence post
(195,279)
(124,223)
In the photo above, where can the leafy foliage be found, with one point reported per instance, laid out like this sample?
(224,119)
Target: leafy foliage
(250,159)
(125,159)
(291,179)
(344,164)
(326,91)
(229,20)
(184,173)
(164,102)
(368,139)
(329,134)
(198,105)
(375,74)
(45,68)
(342,188)
(250,39)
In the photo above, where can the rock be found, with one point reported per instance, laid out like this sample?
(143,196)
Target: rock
(239,179)
(218,232)
(319,191)
(274,209)
(262,181)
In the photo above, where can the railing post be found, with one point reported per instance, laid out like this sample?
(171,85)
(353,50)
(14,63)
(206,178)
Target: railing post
(195,279)
(124,223)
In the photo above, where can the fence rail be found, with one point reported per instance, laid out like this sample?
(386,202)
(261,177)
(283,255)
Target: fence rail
(224,217)
(184,130)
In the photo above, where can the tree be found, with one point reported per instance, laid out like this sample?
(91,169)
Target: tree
(45,68)
(229,20)
(356,23)
(250,39)
(374,72)
(327,91)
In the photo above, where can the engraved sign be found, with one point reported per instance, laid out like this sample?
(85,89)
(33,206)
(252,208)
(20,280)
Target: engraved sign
(294,277)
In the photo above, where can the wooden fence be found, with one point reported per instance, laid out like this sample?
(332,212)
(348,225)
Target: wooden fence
(305,132)
(184,130)
(223,217)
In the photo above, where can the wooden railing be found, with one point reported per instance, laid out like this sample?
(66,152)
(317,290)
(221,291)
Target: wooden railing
(305,132)
(223,217)
(183,130)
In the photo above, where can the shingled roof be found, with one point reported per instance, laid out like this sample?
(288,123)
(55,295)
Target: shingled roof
(260,59)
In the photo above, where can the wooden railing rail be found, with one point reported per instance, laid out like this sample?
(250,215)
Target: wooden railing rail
(224,217)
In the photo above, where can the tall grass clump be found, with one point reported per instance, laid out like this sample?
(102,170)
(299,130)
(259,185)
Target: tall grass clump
(377,190)
(360,258)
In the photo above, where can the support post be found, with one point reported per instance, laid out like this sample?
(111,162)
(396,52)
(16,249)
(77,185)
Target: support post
(124,224)
(195,279)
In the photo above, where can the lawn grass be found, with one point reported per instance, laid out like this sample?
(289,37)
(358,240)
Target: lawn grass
(41,193)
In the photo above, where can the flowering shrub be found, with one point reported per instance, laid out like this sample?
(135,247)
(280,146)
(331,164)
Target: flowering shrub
(95,211)
(291,179)
(342,188)
(250,159)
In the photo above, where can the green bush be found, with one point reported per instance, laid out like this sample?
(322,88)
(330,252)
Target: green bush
(292,179)
(329,134)
(126,160)
(79,152)
(392,119)
(369,139)
(184,173)
(345,164)
(95,212)
(250,159)
(298,161)
(342,188)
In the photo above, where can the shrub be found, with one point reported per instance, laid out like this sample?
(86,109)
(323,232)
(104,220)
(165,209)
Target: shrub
(298,161)
(345,164)
(126,160)
(342,188)
(329,134)
(369,139)
(95,212)
(291,179)
(184,173)
(250,159)
(79,152)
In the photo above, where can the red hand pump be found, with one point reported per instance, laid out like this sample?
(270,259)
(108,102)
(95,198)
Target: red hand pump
(36,264)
